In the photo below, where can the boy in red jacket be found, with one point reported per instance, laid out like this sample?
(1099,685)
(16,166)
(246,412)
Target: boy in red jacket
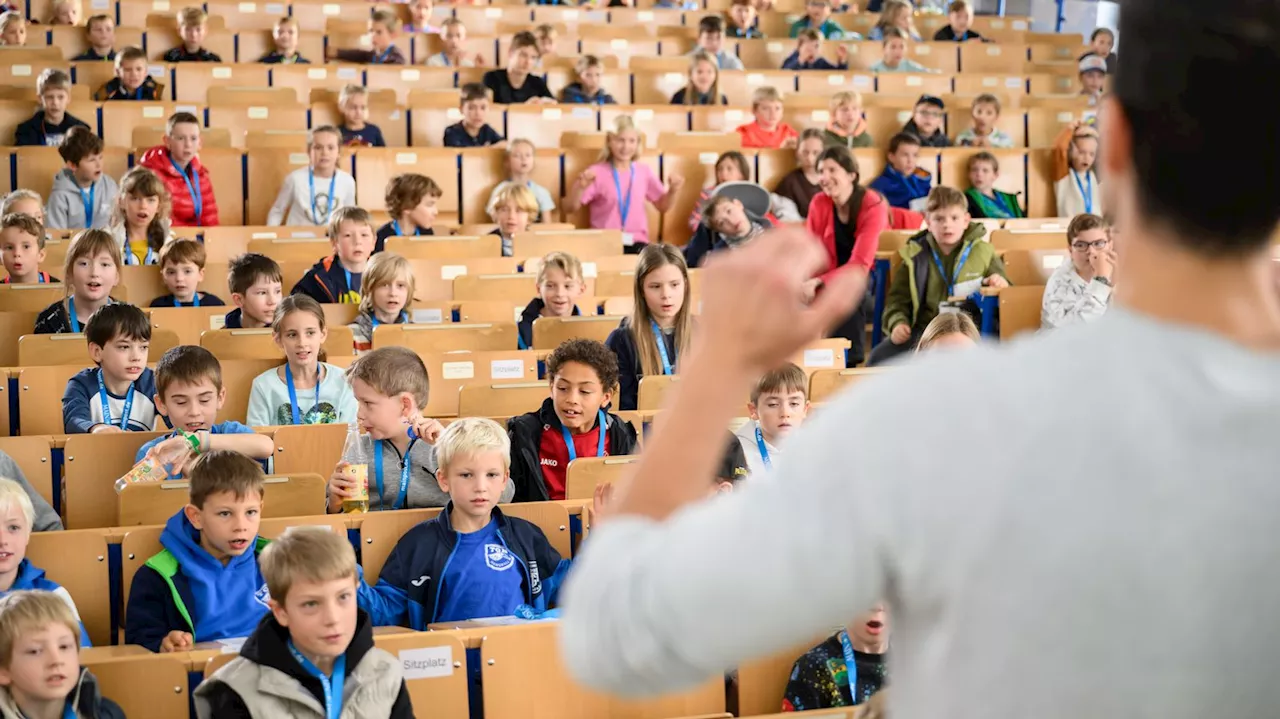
(188,182)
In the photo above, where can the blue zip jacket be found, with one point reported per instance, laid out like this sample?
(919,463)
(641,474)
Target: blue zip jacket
(900,189)
(31,577)
(82,403)
(408,590)
(183,588)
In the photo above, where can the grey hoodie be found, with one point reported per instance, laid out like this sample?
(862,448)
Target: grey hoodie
(66,203)
(46,520)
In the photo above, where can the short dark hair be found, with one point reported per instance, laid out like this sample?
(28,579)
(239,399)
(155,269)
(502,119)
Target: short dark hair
(25,223)
(843,157)
(1083,223)
(786,379)
(1101,31)
(79,143)
(180,118)
(472,91)
(250,267)
(188,364)
(522,39)
(711,24)
(590,353)
(406,191)
(903,138)
(943,198)
(983,156)
(1188,70)
(117,320)
(183,249)
(222,470)
(738,159)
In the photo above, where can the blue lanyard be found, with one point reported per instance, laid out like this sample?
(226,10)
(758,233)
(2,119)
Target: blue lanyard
(315,213)
(106,404)
(851,667)
(395,225)
(404,471)
(764,449)
(347,273)
(373,319)
(1004,206)
(195,300)
(662,347)
(624,203)
(332,684)
(87,199)
(68,711)
(568,438)
(379,59)
(1087,193)
(150,258)
(293,392)
(197,200)
(71,314)
(955,275)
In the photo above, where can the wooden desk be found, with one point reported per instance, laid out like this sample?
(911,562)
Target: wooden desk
(199,656)
(473,633)
(96,655)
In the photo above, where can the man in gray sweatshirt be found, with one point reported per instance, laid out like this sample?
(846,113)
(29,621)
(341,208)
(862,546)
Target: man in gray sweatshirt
(1081,523)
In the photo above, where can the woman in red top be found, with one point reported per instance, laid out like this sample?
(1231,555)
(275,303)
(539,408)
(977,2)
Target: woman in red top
(848,219)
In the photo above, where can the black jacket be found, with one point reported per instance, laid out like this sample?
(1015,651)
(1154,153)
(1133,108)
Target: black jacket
(526,439)
(36,131)
(623,344)
(326,282)
(532,312)
(389,230)
(269,646)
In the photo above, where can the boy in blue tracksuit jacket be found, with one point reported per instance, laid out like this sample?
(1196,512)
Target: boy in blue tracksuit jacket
(902,181)
(16,571)
(205,585)
(471,561)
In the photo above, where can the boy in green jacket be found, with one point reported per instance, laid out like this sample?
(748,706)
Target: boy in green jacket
(938,264)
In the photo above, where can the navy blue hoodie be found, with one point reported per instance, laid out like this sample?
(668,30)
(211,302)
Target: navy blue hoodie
(326,283)
(183,588)
(900,189)
(408,590)
(31,577)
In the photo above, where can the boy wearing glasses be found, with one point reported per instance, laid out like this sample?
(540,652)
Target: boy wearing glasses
(1080,290)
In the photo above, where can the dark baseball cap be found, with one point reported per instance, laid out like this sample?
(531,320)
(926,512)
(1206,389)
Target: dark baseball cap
(931,100)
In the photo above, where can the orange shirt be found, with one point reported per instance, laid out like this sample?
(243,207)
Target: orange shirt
(755,136)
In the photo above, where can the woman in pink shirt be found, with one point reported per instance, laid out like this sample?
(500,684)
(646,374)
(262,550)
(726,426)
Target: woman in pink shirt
(616,188)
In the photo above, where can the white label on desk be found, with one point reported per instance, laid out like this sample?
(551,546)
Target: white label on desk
(922,49)
(1013,82)
(264,235)
(569,15)
(997,24)
(317,73)
(231,646)
(672,77)
(99,4)
(406,158)
(619,44)
(448,272)
(581,112)
(1065,117)
(221,73)
(506,369)
(645,16)
(275,8)
(904,116)
(156,71)
(755,78)
(820,358)
(733,115)
(493,12)
(774,47)
(861,80)
(429,316)
(551,113)
(990,81)
(1019,24)
(820,116)
(248,7)
(835,79)
(914,81)
(644,114)
(331,9)
(994,50)
(299,158)
(347,73)
(217,322)
(258,112)
(707,158)
(151,111)
(160,5)
(1052,262)
(588,269)
(453,113)
(394,116)
(20,70)
(426,663)
(410,75)
(458,370)
(186,108)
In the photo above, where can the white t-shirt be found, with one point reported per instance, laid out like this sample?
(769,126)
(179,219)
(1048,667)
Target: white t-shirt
(269,400)
(300,203)
(1089,525)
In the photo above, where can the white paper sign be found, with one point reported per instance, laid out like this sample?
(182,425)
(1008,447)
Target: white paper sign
(248,7)
(221,73)
(733,115)
(347,73)
(1052,262)
(551,113)
(331,9)
(160,5)
(427,662)
(20,70)
(964,289)
(428,316)
(449,272)
(588,269)
(406,158)
(151,111)
(506,369)
(645,16)
(410,75)
(458,370)
(644,114)
(820,358)
(299,158)
(217,322)
(914,81)
(317,73)
(820,116)
(774,46)
(259,113)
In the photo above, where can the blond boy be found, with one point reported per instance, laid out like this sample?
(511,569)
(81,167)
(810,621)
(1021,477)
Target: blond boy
(193,26)
(100,30)
(314,630)
(132,81)
(285,36)
(357,131)
(49,126)
(40,672)
(384,28)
